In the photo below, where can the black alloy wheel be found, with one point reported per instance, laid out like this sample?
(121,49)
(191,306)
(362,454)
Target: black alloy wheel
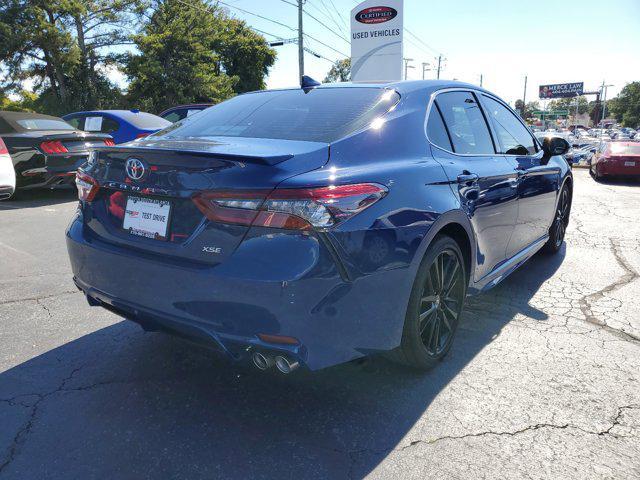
(440,303)
(558,228)
(434,307)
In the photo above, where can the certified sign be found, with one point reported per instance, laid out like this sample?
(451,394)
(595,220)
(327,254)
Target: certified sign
(376,41)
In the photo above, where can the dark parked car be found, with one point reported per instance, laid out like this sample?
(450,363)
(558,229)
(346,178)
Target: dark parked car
(45,151)
(180,112)
(311,227)
(122,125)
(616,159)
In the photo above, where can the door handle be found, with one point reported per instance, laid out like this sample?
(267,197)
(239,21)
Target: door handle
(467,177)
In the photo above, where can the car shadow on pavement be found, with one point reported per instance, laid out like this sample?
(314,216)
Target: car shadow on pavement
(39,198)
(120,403)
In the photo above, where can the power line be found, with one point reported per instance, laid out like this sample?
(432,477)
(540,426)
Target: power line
(328,46)
(256,15)
(334,9)
(421,41)
(337,20)
(326,14)
(327,27)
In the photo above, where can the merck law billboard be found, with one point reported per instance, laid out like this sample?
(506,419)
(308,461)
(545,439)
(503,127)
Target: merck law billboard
(561,90)
(376,41)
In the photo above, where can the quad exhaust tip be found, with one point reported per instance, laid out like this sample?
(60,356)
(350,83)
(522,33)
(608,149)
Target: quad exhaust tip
(282,363)
(261,361)
(285,365)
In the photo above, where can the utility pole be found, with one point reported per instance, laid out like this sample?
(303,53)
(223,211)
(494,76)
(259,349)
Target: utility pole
(481,80)
(524,95)
(439,65)
(424,68)
(300,43)
(407,66)
(604,100)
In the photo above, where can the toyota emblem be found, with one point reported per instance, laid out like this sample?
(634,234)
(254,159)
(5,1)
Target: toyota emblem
(135,169)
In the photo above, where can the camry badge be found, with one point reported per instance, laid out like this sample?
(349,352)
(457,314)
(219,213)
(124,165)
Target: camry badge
(135,169)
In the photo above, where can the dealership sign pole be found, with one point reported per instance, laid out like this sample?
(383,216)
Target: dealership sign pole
(376,41)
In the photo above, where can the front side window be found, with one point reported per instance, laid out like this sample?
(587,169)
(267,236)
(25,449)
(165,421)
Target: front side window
(465,121)
(513,137)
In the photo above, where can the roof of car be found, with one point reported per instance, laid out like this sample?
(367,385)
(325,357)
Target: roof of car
(404,86)
(130,116)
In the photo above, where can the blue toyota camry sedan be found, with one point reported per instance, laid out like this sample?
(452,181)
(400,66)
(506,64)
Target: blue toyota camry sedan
(308,227)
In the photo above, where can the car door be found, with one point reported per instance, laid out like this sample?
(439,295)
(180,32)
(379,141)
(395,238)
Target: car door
(537,180)
(485,181)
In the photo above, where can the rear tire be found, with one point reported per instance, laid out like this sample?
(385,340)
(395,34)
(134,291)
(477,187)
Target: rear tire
(559,226)
(435,305)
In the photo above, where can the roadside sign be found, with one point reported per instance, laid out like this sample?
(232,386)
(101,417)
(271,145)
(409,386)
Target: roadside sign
(376,41)
(561,90)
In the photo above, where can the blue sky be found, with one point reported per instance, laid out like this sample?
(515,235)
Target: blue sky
(550,41)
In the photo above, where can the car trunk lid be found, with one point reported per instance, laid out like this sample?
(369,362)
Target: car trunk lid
(174,171)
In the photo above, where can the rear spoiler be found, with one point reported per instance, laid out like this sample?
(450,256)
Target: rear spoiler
(76,135)
(259,159)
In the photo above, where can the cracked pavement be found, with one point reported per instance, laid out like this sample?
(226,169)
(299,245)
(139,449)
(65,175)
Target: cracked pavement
(543,380)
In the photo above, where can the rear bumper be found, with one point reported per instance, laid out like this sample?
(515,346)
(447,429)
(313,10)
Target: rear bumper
(333,319)
(55,171)
(617,169)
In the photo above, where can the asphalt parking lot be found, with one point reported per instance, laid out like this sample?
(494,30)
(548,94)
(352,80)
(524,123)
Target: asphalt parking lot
(543,380)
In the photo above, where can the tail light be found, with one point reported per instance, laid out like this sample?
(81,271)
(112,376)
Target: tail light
(109,143)
(296,209)
(87,187)
(53,146)
(3,148)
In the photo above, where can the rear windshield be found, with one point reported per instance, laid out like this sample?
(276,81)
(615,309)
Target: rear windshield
(147,121)
(320,115)
(621,149)
(43,124)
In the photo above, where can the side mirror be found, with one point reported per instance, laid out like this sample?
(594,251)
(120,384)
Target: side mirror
(552,146)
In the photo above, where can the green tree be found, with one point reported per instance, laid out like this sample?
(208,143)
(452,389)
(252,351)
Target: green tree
(194,53)
(340,71)
(570,105)
(63,46)
(626,106)
(527,112)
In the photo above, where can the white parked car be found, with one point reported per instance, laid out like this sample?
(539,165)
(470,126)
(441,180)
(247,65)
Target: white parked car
(7,174)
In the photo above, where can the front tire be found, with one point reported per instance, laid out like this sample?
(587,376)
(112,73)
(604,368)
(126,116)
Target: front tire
(435,305)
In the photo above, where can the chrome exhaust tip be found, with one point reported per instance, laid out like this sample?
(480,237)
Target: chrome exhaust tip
(262,361)
(285,365)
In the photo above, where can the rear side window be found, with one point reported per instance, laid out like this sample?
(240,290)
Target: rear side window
(436,130)
(109,125)
(465,121)
(319,115)
(513,137)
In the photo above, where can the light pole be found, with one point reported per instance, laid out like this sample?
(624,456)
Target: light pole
(424,68)
(407,66)
(603,89)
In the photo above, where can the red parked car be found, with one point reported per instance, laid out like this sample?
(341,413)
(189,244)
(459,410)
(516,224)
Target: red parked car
(616,159)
